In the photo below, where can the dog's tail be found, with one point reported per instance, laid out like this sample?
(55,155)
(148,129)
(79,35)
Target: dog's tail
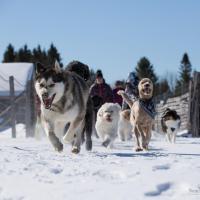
(127,99)
(87,132)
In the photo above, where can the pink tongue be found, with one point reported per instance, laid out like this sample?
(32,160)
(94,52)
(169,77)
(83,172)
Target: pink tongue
(47,102)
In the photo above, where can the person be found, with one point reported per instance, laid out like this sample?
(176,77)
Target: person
(100,91)
(131,88)
(118,98)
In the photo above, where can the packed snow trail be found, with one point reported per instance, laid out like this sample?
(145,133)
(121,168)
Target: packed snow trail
(32,170)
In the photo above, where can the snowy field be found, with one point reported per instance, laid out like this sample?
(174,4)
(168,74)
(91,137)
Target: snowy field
(31,170)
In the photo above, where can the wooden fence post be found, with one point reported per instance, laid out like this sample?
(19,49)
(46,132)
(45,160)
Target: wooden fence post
(12,103)
(195,105)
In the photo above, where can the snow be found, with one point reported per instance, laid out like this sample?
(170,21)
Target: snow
(31,169)
(21,72)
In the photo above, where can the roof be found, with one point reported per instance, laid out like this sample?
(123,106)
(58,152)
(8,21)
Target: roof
(22,72)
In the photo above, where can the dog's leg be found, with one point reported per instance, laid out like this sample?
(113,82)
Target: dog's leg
(121,135)
(169,135)
(174,137)
(74,125)
(137,137)
(143,133)
(148,135)
(76,147)
(125,97)
(106,141)
(89,120)
(49,129)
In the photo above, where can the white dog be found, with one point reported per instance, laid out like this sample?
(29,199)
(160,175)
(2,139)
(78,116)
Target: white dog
(124,125)
(107,123)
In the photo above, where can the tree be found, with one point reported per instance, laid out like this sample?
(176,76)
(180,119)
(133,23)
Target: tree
(39,55)
(24,54)
(185,71)
(9,55)
(53,55)
(144,69)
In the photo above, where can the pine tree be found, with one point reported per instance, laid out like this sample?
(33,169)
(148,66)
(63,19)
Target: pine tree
(24,54)
(9,55)
(185,70)
(53,55)
(144,69)
(39,55)
(182,84)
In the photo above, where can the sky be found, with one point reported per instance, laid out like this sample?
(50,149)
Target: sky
(111,35)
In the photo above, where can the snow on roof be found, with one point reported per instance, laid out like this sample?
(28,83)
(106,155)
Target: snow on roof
(22,72)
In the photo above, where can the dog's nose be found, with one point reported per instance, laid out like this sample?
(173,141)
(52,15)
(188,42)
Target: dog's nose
(147,85)
(45,95)
(172,129)
(108,115)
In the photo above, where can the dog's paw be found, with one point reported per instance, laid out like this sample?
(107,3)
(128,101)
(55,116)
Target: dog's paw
(120,92)
(106,143)
(59,147)
(88,145)
(138,149)
(75,150)
(145,148)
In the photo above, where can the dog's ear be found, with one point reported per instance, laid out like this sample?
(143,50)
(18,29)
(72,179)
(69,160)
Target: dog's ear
(100,113)
(39,68)
(57,67)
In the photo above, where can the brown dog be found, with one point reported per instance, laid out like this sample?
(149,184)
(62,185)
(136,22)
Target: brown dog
(141,118)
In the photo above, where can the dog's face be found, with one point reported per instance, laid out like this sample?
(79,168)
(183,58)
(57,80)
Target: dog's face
(109,112)
(145,88)
(49,84)
(170,120)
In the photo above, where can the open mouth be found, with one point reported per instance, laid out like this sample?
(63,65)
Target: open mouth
(147,91)
(48,101)
(109,119)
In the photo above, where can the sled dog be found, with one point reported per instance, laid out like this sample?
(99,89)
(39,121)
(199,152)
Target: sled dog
(170,122)
(63,96)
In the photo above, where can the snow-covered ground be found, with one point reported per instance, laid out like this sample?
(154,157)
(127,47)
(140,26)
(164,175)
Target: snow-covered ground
(31,170)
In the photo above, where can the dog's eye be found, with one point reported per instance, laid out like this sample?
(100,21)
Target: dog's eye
(41,85)
(51,85)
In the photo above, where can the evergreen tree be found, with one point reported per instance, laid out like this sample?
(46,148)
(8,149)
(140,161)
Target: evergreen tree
(24,55)
(39,55)
(53,55)
(185,70)
(144,69)
(9,55)
(182,84)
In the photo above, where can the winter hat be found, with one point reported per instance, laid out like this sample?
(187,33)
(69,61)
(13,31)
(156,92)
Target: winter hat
(99,74)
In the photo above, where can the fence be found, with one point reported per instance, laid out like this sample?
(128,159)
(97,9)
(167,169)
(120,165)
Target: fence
(18,109)
(186,105)
(180,104)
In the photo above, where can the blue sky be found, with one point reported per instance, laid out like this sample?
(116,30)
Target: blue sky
(108,34)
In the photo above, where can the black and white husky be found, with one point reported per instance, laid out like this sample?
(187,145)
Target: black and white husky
(64,96)
(170,122)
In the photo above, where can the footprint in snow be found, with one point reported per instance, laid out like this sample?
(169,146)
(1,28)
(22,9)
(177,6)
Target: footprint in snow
(163,187)
(56,170)
(161,167)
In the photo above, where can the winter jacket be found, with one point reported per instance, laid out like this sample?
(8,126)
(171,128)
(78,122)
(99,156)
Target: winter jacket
(103,91)
(117,98)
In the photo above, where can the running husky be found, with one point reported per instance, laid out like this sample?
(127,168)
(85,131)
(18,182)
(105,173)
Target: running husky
(63,97)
